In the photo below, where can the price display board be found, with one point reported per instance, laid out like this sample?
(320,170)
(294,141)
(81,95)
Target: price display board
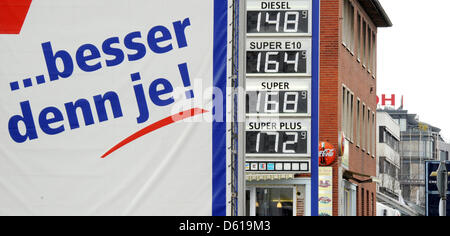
(279,56)
(279,17)
(282,138)
(277,102)
(282,86)
(278,97)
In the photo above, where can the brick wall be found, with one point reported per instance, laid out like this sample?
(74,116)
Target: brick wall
(300,207)
(339,67)
(329,82)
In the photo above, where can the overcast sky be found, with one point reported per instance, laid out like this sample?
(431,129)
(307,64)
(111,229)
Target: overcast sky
(413,58)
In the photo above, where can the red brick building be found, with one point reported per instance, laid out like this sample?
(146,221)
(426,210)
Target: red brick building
(348,102)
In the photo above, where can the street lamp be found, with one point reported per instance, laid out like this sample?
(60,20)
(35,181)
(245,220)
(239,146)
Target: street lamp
(442,184)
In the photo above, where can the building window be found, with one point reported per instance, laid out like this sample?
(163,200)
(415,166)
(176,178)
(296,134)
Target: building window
(369,133)
(344,109)
(358,123)
(388,168)
(352,113)
(362,202)
(374,135)
(348,34)
(350,199)
(358,27)
(369,46)
(373,204)
(363,128)
(374,54)
(371,57)
(368,204)
(387,138)
(348,113)
(364,43)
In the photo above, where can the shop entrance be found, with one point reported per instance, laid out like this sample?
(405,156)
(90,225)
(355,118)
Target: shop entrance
(272,201)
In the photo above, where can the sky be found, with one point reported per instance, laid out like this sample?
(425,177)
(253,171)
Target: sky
(413,58)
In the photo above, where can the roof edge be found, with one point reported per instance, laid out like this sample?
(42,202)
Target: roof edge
(383,13)
(376,12)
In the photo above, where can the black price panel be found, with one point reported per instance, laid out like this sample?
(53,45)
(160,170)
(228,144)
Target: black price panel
(279,17)
(278,21)
(277,62)
(278,56)
(280,137)
(277,142)
(277,102)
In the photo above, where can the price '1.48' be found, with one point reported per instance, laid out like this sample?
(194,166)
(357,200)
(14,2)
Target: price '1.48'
(277,21)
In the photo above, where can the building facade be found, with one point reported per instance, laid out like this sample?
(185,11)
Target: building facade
(348,102)
(419,142)
(388,145)
(389,193)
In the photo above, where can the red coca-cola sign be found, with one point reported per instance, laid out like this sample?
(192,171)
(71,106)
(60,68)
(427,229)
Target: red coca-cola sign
(327,154)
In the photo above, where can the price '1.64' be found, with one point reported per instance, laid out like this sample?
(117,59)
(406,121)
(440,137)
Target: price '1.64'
(277,62)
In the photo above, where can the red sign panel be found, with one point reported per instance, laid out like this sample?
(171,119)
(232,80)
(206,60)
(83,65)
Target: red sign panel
(327,154)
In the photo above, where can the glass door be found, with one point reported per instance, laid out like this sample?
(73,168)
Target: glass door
(273,201)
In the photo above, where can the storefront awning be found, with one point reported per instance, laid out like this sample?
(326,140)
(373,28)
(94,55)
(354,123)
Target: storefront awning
(268,177)
(350,175)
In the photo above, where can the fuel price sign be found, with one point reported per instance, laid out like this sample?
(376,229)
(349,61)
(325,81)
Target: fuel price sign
(279,17)
(284,137)
(282,85)
(279,56)
(278,97)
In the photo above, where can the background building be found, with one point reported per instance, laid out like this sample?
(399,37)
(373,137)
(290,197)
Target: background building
(419,142)
(348,99)
(389,198)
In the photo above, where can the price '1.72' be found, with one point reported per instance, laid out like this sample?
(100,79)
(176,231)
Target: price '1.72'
(277,142)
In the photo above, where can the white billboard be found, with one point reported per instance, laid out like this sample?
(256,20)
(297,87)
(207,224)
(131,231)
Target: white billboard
(107,108)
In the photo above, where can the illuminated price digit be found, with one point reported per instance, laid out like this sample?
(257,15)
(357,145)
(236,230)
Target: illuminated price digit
(268,64)
(267,134)
(274,22)
(291,23)
(290,103)
(304,95)
(258,25)
(258,104)
(272,105)
(293,62)
(293,142)
(304,135)
(275,64)
(305,14)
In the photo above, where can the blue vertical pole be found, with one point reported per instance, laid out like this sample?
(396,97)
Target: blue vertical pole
(315,108)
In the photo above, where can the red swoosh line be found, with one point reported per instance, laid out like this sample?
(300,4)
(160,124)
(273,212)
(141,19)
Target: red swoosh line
(158,125)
